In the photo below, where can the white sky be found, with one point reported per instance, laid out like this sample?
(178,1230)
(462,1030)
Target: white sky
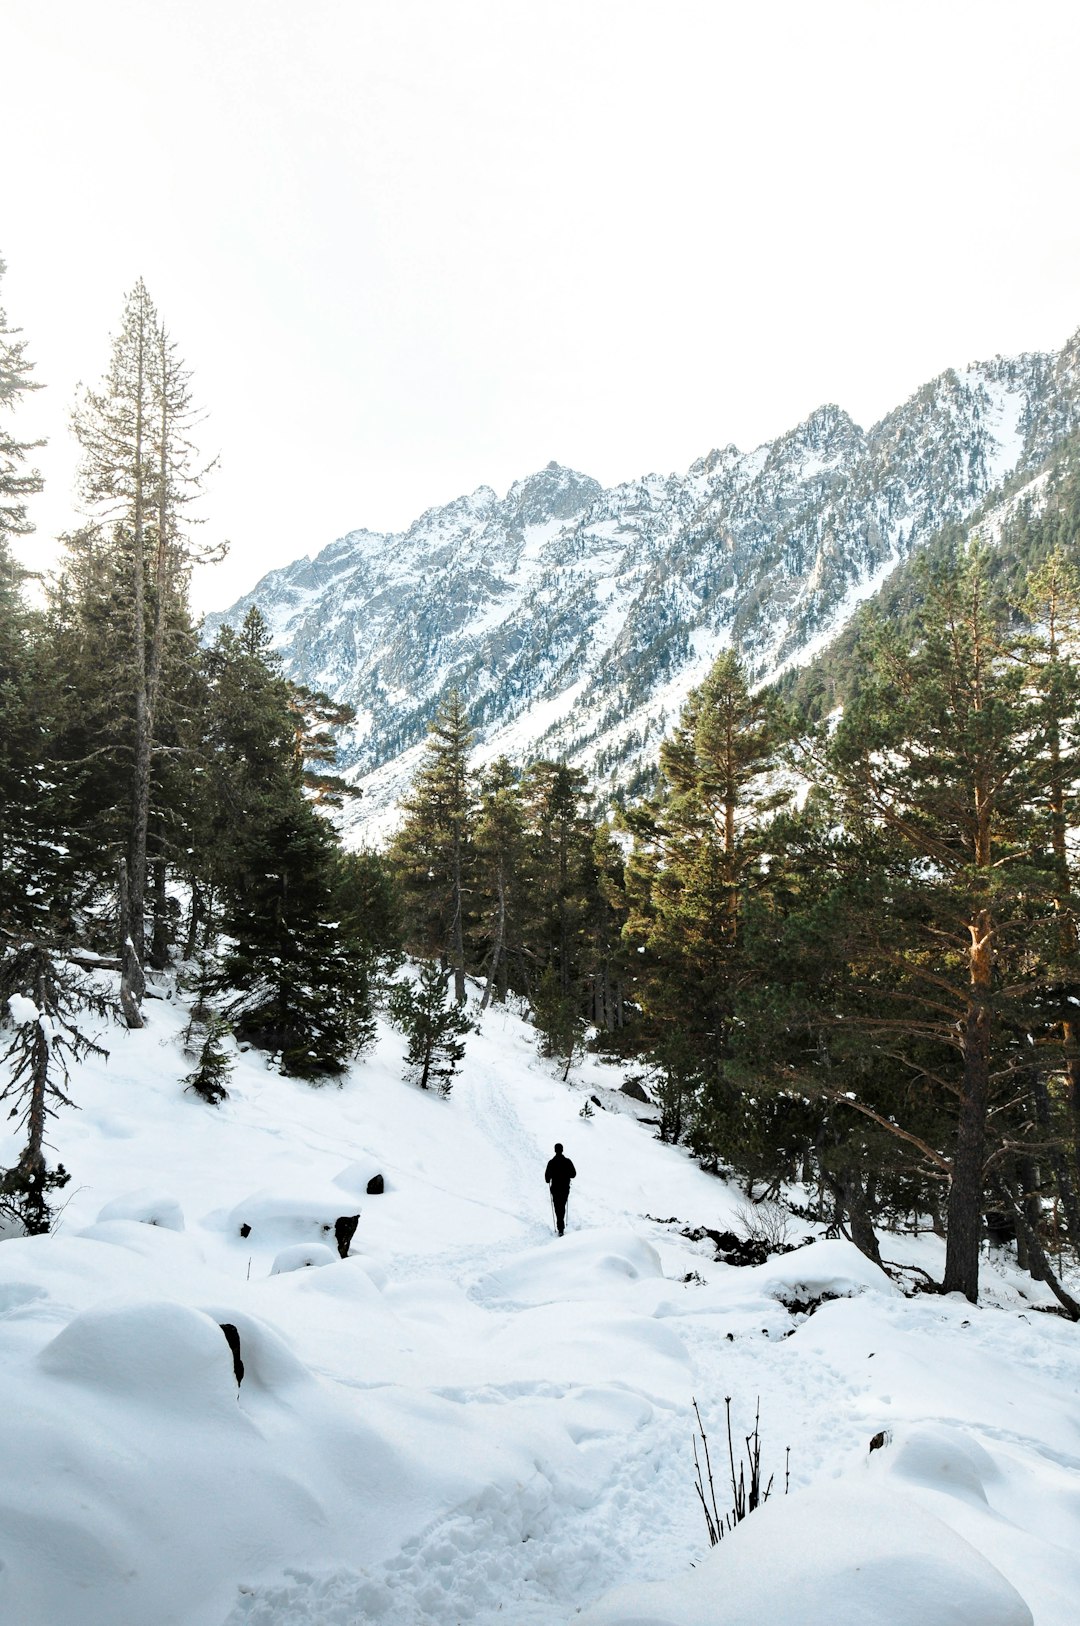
(411,247)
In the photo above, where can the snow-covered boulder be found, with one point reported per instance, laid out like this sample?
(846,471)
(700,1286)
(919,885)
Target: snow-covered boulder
(835,1555)
(363,1178)
(146,1206)
(829,1269)
(161,1355)
(302,1255)
(936,1457)
(279,1216)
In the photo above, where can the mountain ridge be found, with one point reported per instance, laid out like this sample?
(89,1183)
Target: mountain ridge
(574,619)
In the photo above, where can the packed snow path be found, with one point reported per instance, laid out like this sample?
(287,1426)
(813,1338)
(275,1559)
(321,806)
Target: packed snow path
(470,1420)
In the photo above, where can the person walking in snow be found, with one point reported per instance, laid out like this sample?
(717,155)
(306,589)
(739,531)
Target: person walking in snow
(558,1174)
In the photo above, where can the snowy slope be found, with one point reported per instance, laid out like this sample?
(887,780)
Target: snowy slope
(575,619)
(469,1420)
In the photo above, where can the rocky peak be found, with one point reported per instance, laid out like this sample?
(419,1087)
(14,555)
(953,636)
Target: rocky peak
(554,492)
(574,620)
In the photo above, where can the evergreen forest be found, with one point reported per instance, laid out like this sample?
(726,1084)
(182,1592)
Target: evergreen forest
(836,945)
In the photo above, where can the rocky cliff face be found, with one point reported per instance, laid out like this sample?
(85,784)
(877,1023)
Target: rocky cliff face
(574,619)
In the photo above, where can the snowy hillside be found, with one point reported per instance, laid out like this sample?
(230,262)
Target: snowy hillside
(574,619)
(470,1420)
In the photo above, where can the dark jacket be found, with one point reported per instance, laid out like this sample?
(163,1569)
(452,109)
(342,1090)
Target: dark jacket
(559,1173)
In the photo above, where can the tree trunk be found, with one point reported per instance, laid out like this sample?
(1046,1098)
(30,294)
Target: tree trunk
(132,981)
(498,950)
(458,924)
(1037,1254)
(853,1197)
(1028,1180)
(160,939)
(1059,1163)
(964,1211)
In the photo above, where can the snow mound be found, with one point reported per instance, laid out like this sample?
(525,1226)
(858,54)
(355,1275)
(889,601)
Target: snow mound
(831,1556)
(285,1217)
(356,1176)
(301,1255)
(160,1355)
(833,1268)
(583,1265)
(148,1207)
(935,1457)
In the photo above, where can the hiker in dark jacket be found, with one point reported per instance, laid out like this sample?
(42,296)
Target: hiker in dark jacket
(558,1174)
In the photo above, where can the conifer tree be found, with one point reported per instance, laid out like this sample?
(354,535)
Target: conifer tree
(558,870)
(606,957)
(269,872)
(16,482)
(941,761)
(434,1025)
(432,853)
(499,843)
(696,847)
(139,474)
(26,838)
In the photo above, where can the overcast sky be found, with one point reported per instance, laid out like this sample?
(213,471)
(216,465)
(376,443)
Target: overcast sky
(409,247)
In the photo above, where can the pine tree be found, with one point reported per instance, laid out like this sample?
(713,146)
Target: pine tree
(432,853)
(942,761)
(696,850)
(1052,607)
(606,955)
(139,474)
(557,1017)
(16,483)
(434,1026)
(268,873)
(27,838)
(558,871)
(499,843)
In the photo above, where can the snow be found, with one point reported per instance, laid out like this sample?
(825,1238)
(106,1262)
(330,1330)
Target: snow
(1003,414)
(22,1009)
(469,1419)
(798,1561)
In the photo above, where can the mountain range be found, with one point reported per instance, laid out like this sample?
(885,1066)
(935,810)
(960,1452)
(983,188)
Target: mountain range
(574,619)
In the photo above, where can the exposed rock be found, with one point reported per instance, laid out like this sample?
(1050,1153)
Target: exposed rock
(232,1338)
(344,1231)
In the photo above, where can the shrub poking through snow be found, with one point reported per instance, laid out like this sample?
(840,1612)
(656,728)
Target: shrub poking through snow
(434,1026)
(767,1221)
(745,1497)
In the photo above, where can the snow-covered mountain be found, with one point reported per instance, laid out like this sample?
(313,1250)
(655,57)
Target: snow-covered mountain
(574,619)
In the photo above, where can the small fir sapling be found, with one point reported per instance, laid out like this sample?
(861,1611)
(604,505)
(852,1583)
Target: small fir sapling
(434,1025)
(204,1036)
(214,1067)
(558,1021)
